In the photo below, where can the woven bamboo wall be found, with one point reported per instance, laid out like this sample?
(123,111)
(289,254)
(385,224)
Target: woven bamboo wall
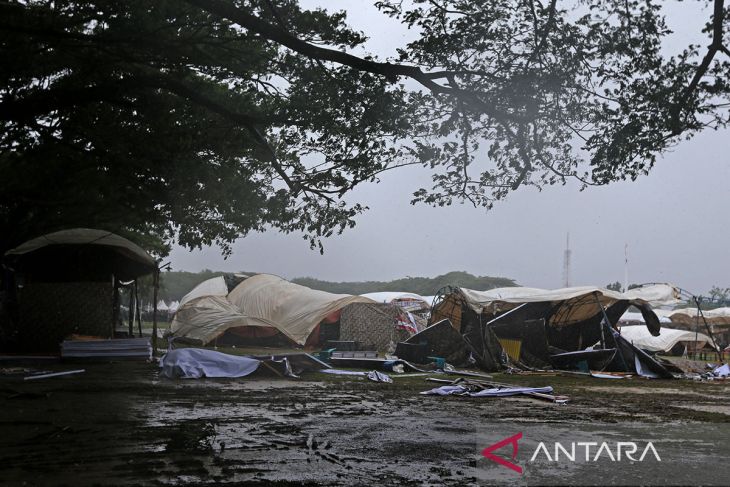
(50,311)
(372,324)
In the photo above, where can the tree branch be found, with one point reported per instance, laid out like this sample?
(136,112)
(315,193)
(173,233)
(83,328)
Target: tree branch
(712,49)
(390,71)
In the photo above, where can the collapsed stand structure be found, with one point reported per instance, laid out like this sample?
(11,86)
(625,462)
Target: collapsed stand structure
(562,328)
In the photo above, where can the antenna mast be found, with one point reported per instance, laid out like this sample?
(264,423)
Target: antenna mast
(626,267)
(566,262)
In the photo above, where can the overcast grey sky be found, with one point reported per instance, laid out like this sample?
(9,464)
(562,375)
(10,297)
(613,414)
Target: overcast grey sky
(675,220)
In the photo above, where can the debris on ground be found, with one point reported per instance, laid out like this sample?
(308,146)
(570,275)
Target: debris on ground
(53,374)
(373,375)
(99,348)
(475,388)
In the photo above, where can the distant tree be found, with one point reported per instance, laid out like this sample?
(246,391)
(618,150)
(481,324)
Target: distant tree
(720,295)
(425,286)
(615,286)
(199,121)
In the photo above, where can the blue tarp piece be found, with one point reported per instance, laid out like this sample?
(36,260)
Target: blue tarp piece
(194,363)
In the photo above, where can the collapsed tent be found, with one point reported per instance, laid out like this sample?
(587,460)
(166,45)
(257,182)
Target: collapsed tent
(262,305)
(533,326)
(669,340)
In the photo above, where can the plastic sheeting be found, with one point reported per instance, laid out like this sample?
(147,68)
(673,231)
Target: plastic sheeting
(668,338)
(194,363)
(262,300)
(577,303)
(722,371)
(631,316)
(689,316)
(212,287)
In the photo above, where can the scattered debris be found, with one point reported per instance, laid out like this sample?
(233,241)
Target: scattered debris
(474,388)
(126,348)
(610,375)
(373,375)
(53,374)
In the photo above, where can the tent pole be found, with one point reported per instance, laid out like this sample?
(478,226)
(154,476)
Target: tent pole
(606,323)
(115,304)
(139,308)
(700,314)
(155,287)
(131,312)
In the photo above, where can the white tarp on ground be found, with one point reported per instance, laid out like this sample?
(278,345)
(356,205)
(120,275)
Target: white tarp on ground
(579,302)
(668,338)
(194,363)
(262,300)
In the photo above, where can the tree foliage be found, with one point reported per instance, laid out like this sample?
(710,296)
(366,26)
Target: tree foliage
(199,121)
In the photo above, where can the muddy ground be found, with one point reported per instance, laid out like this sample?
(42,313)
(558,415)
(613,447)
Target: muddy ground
(120,423)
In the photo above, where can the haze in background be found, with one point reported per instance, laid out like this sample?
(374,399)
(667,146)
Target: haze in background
(676,220)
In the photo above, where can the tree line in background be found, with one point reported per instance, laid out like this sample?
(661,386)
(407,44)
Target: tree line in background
(174,285)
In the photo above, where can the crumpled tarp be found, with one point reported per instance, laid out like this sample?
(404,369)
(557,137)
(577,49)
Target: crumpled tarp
(722,371)
(263,301)
(495,392)
(194,363)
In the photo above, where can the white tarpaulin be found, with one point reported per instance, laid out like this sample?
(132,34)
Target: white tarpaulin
(262,300)
(212,287)
(194,363)
(578,303)
(633,317)
(668,338)
(690,316)
(295,310)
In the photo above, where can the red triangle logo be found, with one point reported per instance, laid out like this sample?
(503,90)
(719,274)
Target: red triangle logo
(487,452)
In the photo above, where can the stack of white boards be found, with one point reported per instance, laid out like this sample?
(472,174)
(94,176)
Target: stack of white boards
(126,348)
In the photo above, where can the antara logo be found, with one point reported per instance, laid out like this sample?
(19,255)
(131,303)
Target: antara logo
(624,450)
(512,440)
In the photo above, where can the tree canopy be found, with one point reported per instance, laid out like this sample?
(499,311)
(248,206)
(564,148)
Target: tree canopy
(199,121)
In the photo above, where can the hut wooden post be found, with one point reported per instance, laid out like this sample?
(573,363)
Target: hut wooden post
(139,308)
(155,287)
(115,304)
(131,311)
